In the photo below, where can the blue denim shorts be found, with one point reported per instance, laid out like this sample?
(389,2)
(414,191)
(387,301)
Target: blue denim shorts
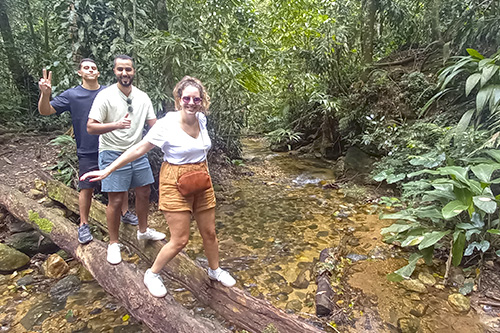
(135,174)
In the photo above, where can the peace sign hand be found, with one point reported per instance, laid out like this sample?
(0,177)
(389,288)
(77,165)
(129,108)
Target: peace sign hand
(45,83)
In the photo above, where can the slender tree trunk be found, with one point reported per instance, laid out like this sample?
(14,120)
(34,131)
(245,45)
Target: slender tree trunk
(162,17)
(369,9)
(436,31)
(29,20)
(46,30)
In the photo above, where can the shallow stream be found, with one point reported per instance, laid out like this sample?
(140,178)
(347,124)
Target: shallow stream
(272,225)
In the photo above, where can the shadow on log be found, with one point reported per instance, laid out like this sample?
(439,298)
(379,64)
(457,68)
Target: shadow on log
(234,304)
(124,281)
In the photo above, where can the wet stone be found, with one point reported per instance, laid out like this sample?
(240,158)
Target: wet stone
(302,280)
(427,278)
(65,287)
(25,280)
(36,315)
(414,285)
(354,257)
(294,306)
(459,302)
(322,234)
(31,242)
(55,266)
(408,325)
(11,259)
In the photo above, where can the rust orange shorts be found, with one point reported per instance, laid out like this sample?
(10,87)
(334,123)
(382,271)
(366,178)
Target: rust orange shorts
(170,198)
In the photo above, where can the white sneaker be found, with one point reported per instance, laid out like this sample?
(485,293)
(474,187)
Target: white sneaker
(151,234)
(154,283)
(114,255)
(222,276)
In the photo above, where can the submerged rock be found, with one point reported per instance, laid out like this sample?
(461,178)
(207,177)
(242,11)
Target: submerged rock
(25,280)
(294,306)
(11,259)
(459,302)
(65,287)
(302,280)
(414,285)
(55,266)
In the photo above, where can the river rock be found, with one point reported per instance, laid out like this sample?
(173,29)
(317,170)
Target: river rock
(11,259)
(31,242)
(36,315)
(427,278)
(302,280)
(65,287)
(55,266)
(357,160)
(414,285)
(459,302)
(25,281)
(294,306)
(408,325)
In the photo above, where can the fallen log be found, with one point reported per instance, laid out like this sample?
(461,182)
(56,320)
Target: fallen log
(235,305)
(160,315)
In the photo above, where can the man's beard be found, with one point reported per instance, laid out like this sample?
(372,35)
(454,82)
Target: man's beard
(129,83)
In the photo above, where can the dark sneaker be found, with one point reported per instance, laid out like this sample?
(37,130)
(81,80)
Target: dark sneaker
(130,218)
(84,235)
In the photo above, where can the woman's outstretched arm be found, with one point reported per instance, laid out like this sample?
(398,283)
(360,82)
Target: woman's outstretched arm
(128,156)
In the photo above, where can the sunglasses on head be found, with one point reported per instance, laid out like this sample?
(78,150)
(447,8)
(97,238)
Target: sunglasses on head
(129,103)
(187,99)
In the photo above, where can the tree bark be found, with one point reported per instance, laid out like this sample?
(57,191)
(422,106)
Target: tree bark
(127,282)
(369,8)
(234,304)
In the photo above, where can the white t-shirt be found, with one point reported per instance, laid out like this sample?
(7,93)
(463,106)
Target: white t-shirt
(179,147)
(110,105)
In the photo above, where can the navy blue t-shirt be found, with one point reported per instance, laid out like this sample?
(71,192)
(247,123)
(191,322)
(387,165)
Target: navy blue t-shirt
(78,102)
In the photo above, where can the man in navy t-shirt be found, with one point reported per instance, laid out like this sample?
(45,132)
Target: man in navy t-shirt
(78,101)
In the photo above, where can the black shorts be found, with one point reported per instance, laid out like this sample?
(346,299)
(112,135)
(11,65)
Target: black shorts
(86,163)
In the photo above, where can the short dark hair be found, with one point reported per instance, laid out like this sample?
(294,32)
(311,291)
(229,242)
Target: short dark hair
(83,60)
(123,56)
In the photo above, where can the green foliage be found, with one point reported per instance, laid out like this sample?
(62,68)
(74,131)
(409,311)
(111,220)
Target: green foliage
(474,73)
(456,200)
(67,164)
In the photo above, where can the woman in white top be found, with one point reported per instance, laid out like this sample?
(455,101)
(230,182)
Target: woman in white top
(184,140)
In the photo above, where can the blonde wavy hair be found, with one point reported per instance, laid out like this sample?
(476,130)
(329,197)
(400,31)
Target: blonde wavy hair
(191,81)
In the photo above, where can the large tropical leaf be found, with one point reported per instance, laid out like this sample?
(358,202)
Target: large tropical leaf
(432,238)
(483,171)
(471,82)
(453,209)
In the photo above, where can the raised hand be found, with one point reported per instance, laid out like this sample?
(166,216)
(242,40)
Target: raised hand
(45,83)
(124,122)
(94,176)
